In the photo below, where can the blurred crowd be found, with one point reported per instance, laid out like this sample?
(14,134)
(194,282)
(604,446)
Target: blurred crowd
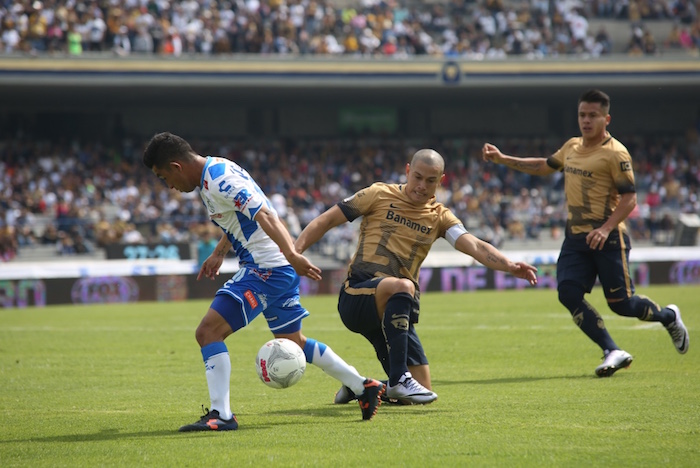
(393,28)
(77,197)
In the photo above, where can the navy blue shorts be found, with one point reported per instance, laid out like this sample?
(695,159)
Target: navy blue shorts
(358,311)
(273,292)
(580,264)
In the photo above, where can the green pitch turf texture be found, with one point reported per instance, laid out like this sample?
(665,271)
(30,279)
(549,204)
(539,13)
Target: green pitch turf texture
(108,385)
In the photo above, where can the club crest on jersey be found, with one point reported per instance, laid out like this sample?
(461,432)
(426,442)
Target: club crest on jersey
(206,185)
(241,199)
(263,275)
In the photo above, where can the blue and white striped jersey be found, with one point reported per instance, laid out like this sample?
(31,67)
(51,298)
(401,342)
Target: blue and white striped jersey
(232,198)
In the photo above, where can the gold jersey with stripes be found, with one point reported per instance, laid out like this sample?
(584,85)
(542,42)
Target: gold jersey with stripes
(594,178)
(395,233)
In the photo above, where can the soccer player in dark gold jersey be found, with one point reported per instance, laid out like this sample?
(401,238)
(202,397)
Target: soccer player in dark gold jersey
(380,297)
(600,193)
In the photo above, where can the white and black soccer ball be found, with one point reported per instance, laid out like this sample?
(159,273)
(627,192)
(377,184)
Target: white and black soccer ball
(280,363)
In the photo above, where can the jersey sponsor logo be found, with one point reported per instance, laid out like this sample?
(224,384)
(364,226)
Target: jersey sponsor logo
(241,199)
(391,216)
(391,205)
(216,216)
(579,172)
(250,297)
(625,166)
(225,187)
(210,207)
(239,171)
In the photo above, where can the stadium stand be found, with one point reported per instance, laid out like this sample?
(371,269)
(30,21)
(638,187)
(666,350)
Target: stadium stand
(63,200)
(399,29)
(66,198)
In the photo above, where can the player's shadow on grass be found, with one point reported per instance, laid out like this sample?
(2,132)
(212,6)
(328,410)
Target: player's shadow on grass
(104,434)
(506,380)
(333,411)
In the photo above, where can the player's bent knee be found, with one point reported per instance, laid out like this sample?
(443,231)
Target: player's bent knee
(202,335)
(406,286)
(398,286)
(570,295)
(623,307)
(208,332)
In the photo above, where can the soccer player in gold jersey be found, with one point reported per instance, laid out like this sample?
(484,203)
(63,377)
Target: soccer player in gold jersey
(600,193)
(380,297)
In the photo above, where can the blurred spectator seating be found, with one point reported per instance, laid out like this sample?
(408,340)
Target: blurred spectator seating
(392,28)
(75,199)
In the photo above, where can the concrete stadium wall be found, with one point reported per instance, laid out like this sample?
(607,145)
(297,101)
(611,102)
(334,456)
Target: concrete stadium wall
(240,98)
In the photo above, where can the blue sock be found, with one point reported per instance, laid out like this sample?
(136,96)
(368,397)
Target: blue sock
(309,349)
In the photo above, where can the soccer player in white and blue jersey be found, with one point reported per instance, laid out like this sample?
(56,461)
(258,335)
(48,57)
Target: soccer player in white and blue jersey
(267,281)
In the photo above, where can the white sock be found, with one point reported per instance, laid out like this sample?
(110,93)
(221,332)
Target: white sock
(321,355)
(218,365)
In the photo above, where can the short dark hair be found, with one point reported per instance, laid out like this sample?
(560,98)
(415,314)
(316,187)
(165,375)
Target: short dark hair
(596,95)
(165,147)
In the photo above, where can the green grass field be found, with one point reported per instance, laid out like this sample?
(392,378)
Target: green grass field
(109,386)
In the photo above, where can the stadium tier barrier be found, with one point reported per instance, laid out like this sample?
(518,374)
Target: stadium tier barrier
(118,281)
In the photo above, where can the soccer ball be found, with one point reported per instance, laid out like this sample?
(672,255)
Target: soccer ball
(280,363)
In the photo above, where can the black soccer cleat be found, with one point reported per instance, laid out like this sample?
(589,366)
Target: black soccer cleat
(211,421)
(371,398)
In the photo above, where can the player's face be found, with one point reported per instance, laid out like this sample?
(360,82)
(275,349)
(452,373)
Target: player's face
(174,177)
(422,180)
(593,119)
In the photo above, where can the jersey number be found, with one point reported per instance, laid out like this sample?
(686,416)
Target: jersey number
(396,262)
(578,213)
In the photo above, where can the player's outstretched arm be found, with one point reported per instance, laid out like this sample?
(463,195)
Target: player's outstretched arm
(317,228)
(534,166)
(210,267)
(274,228)
(491,257)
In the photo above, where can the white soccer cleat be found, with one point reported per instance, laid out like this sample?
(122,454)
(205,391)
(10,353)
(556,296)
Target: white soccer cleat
(613,362)
(677,330)
(408,390)
(344,395)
